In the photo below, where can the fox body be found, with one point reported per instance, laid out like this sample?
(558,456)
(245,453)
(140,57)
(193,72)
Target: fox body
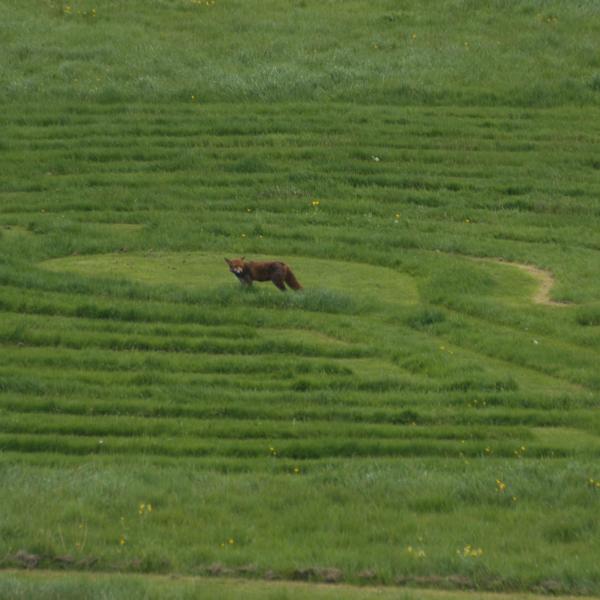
(277,272)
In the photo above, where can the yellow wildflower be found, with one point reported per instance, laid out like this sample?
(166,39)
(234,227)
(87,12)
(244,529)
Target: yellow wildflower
(470,552)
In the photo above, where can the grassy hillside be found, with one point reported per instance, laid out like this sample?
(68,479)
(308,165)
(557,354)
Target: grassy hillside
(530,52)
(424,413)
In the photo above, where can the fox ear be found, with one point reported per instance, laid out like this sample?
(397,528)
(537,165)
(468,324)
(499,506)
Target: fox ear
(227,261)
(243,258)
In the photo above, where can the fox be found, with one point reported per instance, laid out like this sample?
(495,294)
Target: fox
(277,272)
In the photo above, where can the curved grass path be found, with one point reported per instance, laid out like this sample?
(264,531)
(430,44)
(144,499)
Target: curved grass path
(545,280)
(412,415)
(207,270)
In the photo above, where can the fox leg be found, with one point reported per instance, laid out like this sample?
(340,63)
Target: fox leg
(277,279)
(278,276)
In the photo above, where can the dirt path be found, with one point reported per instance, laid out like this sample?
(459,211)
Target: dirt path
(544,278)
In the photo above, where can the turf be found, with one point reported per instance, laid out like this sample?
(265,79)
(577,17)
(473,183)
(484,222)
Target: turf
(423,413)
(80,586)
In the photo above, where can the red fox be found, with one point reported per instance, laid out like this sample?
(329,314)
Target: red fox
(277,272)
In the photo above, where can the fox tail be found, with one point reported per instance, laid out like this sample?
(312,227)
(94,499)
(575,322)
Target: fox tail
(291,280)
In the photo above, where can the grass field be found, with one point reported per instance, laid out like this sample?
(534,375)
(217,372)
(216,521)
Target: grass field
(424,413)
(61,586)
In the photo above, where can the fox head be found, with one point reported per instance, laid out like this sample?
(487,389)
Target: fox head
(236,265)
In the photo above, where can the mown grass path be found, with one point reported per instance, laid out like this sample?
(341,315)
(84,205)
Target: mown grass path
(415,417)
(124,586)
(412,414)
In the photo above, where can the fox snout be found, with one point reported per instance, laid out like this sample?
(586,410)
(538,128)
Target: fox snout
(235,267)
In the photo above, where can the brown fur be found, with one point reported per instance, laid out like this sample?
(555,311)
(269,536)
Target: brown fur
(277,272)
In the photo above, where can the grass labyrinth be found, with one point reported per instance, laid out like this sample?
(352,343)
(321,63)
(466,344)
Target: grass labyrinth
(425,412)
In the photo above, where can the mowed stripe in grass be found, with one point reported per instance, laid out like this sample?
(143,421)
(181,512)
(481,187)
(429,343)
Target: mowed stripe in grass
(277,140)
(414,416)
(421,394)
(355,138)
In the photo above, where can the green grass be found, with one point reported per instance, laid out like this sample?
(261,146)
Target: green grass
(78,586)
(283,516)
(415,416)
(463,51)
